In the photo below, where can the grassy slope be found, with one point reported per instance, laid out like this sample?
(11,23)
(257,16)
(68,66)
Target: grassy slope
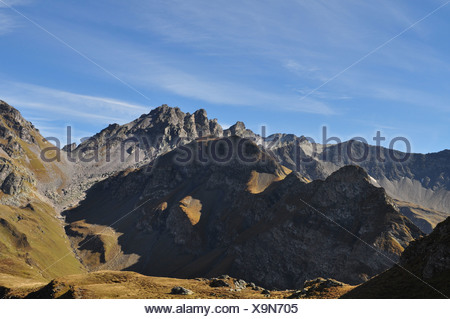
(31,240)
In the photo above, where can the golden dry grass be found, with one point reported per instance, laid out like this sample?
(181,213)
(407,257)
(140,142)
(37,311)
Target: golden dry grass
(130,285)
(33,239)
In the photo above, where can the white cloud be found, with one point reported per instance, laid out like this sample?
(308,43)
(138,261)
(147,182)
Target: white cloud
(51,110)
(67,103)
(410,96)
(227,93)
(9,20)
(7,24)
(313,39)
(12,3)
(145,69)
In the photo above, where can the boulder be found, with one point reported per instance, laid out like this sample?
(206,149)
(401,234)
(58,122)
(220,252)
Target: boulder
(181,291)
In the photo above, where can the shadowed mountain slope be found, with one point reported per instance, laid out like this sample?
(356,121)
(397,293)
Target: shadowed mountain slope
(420,179)
(204,218)
(427,274)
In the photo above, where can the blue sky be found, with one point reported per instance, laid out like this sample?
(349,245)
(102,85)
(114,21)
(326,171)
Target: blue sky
(257,61)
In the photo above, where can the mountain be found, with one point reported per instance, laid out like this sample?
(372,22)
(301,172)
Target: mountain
(421,180)
(251,220)
(23,173)
(423,271)
(173,194)
(32,235)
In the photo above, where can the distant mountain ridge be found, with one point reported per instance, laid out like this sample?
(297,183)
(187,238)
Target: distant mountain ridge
(423,180)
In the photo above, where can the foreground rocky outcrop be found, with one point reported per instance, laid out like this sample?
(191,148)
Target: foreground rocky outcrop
(423,270)
(319,286)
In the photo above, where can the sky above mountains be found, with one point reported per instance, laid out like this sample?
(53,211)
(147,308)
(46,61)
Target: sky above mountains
(357,67)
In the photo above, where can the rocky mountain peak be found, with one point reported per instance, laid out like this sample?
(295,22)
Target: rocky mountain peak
(14,124)
(165,113)
(5,108)
(201,116)
(237,129)
(348,174)
(185,124)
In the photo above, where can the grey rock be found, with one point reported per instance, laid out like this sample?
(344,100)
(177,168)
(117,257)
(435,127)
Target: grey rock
(240,284)
(251,285)
(12,184)
(181,291)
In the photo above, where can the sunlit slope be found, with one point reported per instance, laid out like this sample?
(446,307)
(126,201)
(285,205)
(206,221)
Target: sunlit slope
(33,243)
(130,285)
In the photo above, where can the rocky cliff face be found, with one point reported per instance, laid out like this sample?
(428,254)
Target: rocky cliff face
(120,147)
(23,173)
(247,219)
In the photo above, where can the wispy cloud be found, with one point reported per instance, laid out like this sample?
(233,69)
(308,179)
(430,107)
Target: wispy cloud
(287,32)
(146,69)
(66,103)
(255,55)
(227,93)
(7,24)
(8,20)
(60,108)
(12,3)
(408,96)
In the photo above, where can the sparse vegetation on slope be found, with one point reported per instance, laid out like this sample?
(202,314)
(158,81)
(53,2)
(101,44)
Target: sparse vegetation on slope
(130,285)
